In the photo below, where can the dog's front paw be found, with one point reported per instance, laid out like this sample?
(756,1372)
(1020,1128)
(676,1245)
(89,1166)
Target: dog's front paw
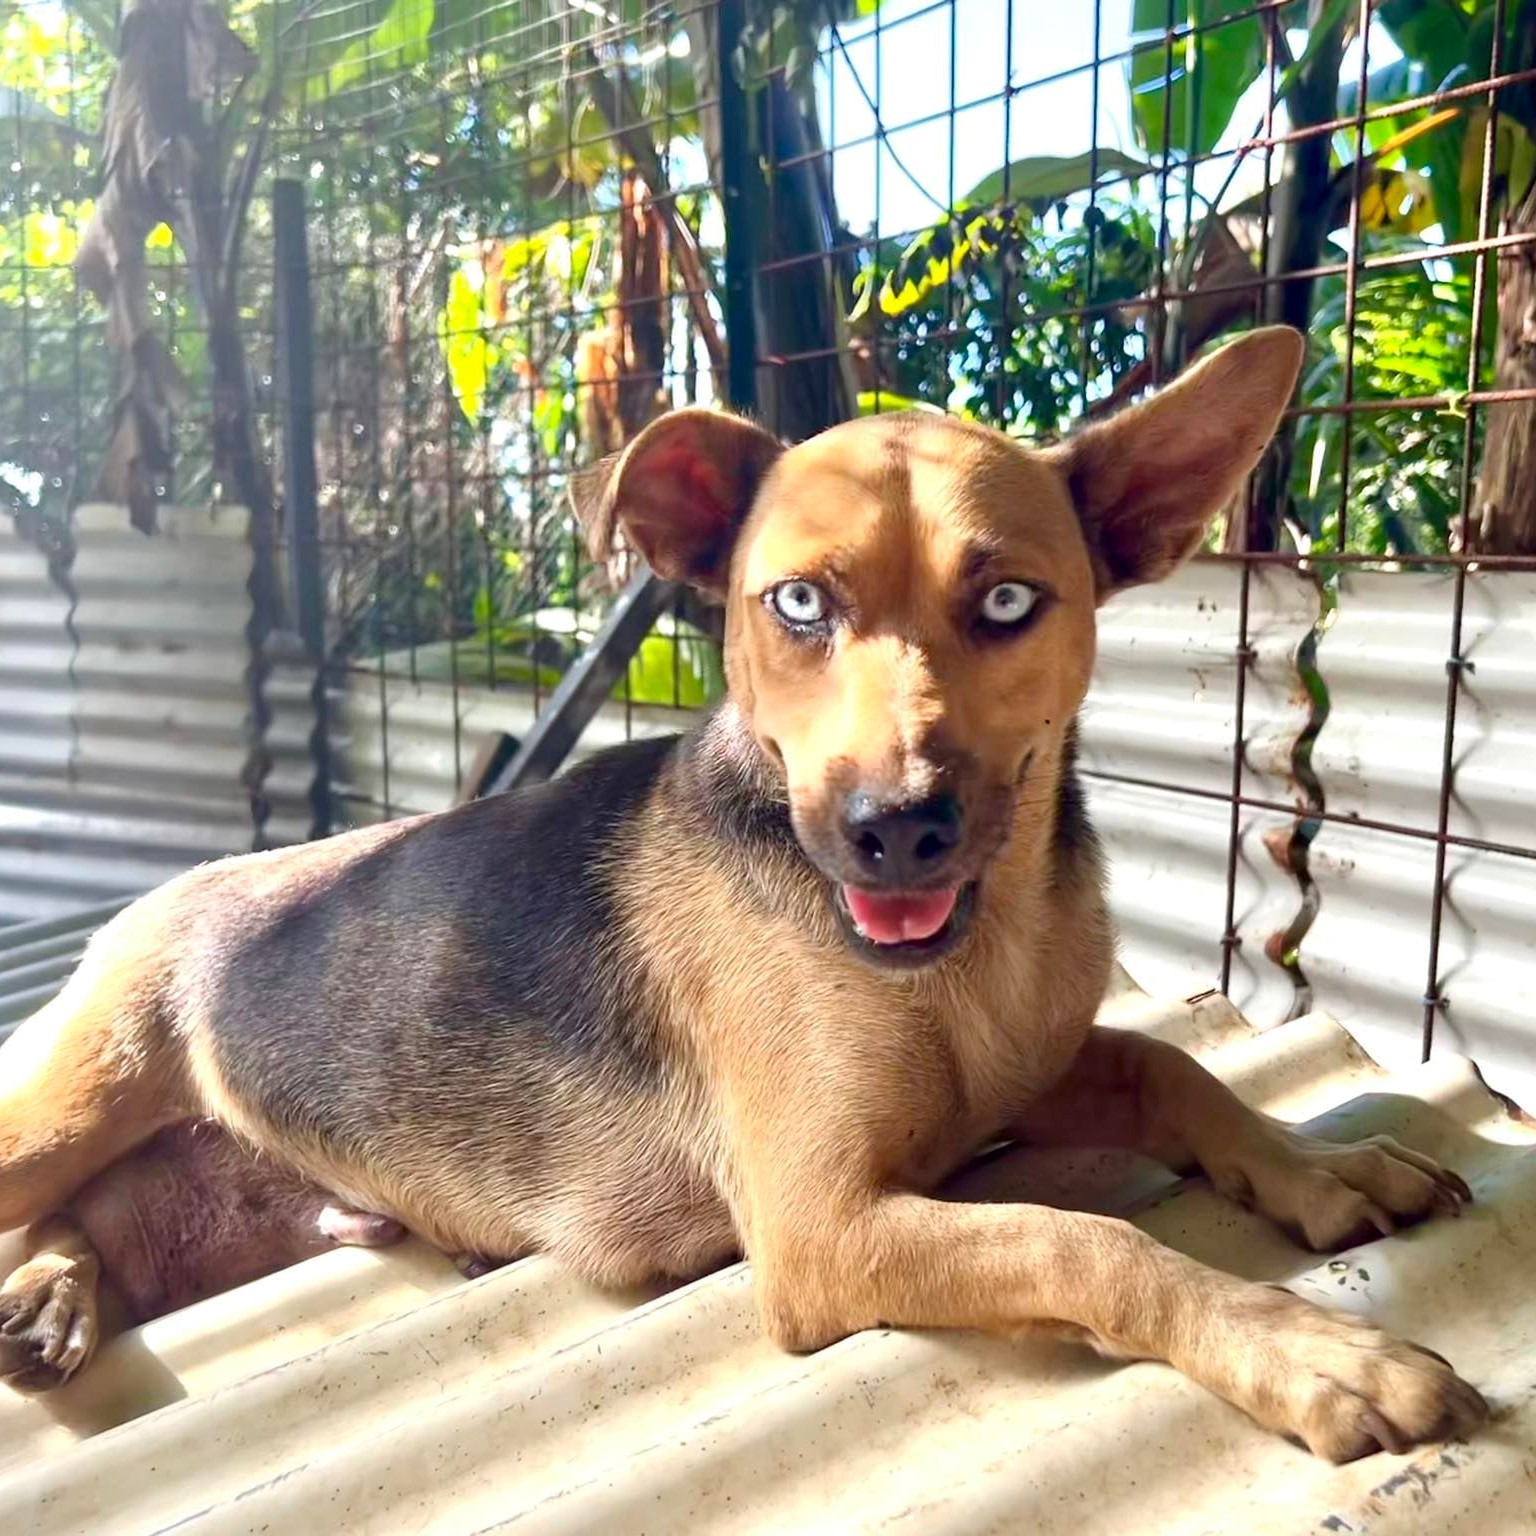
(1330,1195)
(48,1325)
(1340,1386)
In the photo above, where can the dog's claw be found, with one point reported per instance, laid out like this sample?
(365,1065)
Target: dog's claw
(47,1331)
(1382,1432)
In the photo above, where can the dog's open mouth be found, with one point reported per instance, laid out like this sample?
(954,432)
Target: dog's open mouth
(904,927)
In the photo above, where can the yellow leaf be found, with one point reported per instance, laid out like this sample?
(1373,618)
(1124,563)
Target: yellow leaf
(1514,161)
(48,241)
(1400,201)
(465,350)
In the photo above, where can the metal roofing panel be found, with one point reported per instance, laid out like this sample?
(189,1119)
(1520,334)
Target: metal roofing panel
(36,958)
(371,1392)
(34,660)
(402,747)
(1379,756)
(129,738)
(1163,707)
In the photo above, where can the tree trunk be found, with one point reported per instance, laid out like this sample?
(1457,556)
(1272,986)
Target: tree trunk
(1504,515)
(802,299)
(1300,222)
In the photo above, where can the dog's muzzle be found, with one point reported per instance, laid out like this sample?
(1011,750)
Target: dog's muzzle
(900,845)
(896,864)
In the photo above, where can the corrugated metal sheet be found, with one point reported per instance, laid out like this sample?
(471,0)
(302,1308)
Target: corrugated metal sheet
(403,747)
(129,745)
(37,957)
(35,729)
(293,722)
(1379,756)
(1163,707)
(372,1392)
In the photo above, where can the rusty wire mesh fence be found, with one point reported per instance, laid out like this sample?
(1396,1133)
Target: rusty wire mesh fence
(516,232)
(509,226)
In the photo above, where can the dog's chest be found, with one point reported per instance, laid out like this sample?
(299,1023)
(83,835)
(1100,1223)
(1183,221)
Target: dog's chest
(1009,1033)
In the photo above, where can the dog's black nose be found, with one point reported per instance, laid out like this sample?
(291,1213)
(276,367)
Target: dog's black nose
(900,846)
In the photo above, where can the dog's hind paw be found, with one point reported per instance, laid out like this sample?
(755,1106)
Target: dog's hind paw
(359,1229)
(48,1325)
(473,1265)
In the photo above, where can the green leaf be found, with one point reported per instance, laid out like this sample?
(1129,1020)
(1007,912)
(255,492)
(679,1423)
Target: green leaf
(1397,81)
(1433,33)
(1514,163)
(49,240)
(681,669)
(884,403)
(926,264)
(1221,63)
(398,42)
(1049,178)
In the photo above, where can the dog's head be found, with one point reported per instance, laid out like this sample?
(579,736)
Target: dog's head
(910,607)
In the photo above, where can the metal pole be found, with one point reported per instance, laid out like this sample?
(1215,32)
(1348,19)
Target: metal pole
(295,379)
(737,206)
(583,689)
(295,374)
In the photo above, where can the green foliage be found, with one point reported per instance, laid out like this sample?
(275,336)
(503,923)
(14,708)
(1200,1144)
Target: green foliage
(1038,181)
(1411,337)
(881,402)
(677,666)
(398,42)
(982,225)
(1193,88)
(1445,44)
(461,327)
(987,300)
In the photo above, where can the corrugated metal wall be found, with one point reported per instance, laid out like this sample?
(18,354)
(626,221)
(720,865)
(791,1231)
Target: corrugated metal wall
(129,748)
(1358,913)
(36,651)
(1379,757)
(1164,708)
(36,958)
(403,747)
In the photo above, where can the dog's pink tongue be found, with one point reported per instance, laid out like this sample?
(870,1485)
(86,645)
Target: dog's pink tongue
(900,918)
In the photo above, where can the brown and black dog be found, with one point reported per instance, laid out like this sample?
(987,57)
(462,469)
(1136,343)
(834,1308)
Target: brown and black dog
(761,988)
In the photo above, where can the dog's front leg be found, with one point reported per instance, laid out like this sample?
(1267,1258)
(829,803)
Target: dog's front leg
(1125,1089)
(896,1259)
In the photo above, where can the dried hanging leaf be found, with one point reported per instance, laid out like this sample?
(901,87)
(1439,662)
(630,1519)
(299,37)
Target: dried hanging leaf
(640,313)
(175,56)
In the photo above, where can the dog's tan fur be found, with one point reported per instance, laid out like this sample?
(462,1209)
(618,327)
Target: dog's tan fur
(785,1096)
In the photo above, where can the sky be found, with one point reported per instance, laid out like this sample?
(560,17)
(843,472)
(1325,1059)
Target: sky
(911,82)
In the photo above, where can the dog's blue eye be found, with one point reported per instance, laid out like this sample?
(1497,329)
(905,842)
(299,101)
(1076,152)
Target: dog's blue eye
(799,602)
(1009,602)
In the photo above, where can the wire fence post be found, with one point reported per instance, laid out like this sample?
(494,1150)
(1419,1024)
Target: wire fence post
(737,212)
(295,375)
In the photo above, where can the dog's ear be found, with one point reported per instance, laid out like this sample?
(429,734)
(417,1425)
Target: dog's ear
(1146,482)
(680,492)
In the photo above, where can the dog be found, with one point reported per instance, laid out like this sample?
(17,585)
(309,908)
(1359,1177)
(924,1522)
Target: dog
(759,988)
